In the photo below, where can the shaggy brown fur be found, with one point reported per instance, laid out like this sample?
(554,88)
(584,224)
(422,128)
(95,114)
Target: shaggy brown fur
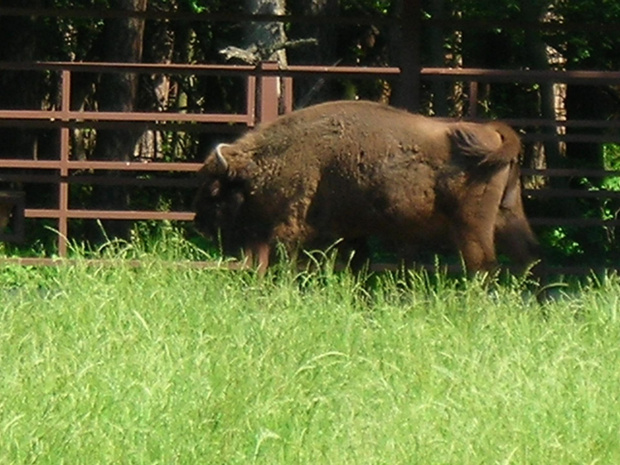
(353,170)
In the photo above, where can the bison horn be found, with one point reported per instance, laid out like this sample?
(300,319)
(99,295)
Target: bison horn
(221,158)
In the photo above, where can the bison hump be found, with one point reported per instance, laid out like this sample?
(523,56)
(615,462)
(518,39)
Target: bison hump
(491,144)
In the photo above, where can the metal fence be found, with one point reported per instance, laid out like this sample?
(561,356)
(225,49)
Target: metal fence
(61,171)
(262,105)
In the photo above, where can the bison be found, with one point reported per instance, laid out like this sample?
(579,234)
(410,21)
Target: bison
(357,169)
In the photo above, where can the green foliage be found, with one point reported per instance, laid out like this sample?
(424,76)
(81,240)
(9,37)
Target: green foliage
(198,6)
(590,46)
(504,9)
(560,242)
(368,7)
(611,157)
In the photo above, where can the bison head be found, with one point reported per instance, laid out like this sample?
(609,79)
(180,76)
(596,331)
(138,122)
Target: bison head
(513,233)
(221,197)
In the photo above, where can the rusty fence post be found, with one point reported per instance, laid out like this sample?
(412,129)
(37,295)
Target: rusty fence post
(251,101)
(65,149)
(287,82)
(473,99)
(269,92)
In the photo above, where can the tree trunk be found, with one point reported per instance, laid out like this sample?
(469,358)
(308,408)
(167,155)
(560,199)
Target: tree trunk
(549,154)
(117,92)
(438,58)
(312,89)
(267,35)
(159,40)
(20,90)
(407,93)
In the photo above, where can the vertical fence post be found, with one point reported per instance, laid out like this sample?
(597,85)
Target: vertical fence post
(269,93)
(63,191)
(251,101)
(473,99)
(288,94)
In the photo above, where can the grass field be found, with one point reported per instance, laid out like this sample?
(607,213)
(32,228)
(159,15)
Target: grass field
(169,364)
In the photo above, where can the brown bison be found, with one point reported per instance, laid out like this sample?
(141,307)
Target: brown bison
(355,170)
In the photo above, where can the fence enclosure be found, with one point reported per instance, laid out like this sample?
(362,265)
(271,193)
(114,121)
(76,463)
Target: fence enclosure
(262,104)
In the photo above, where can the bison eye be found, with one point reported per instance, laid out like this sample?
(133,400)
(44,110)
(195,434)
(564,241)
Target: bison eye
(214,189)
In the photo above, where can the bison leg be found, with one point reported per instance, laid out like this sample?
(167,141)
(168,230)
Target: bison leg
(356,252)
(473,233)
(473,230)
(476,249)
(257,255)
(515,238)
(513,234)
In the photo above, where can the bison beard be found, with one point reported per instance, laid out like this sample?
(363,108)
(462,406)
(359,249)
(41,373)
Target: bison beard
(353,170)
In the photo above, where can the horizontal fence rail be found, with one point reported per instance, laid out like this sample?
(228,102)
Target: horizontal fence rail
(65,169)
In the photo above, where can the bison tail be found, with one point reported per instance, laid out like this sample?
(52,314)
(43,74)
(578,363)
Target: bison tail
(494,143)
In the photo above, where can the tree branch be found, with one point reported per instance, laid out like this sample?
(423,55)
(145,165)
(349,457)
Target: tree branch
(256,53)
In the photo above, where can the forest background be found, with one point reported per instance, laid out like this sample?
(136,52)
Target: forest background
(504,34)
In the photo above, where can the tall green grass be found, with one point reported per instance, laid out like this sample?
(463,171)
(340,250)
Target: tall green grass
(165,363)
